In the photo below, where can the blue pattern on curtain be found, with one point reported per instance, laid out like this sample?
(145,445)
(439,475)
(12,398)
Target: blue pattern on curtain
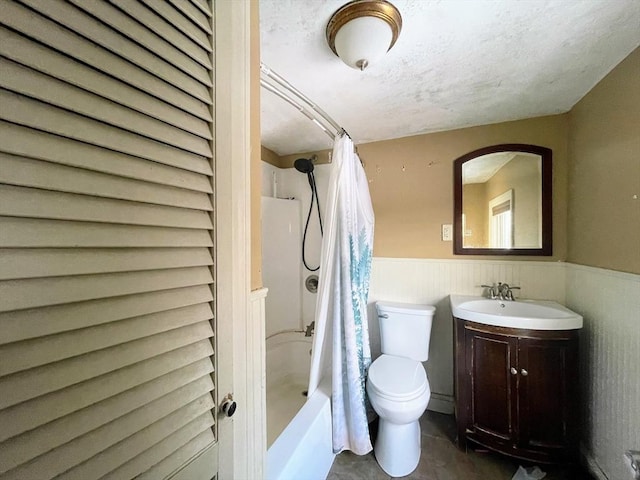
(349,286)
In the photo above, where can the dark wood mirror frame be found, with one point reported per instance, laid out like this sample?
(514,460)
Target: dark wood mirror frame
(547,202)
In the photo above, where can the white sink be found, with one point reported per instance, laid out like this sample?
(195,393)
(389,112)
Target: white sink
(529,314)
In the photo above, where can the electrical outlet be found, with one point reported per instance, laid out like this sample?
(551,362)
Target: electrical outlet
(447,232)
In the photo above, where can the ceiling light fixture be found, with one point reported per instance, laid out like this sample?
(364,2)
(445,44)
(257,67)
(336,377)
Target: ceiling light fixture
(362,31)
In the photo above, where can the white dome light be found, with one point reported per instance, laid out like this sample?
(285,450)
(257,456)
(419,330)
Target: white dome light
(362,31)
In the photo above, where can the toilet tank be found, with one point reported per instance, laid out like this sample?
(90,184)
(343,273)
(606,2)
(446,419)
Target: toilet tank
(405,329)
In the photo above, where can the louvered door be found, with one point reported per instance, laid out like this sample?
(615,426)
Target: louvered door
(106,259)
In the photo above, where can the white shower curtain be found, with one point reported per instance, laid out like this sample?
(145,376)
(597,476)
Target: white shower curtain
(341,308)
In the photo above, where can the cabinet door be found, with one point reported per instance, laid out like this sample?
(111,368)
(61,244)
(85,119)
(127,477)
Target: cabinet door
(546,394)
(493,386)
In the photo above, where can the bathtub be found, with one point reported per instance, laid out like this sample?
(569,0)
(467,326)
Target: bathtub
(298,428)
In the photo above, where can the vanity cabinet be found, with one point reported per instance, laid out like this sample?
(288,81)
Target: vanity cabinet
(517,390)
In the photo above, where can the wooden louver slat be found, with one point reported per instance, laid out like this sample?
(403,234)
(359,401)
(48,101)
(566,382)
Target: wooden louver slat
(39,322)
(26,142)
(161,450)
(31,233)
(24,80)
(169,388)
(204,7)
(179,21)
(122,22)
(41,351)
(76,20)
(165,29)
(38,203)
(25,172)
(64,403)
(32,293)
(42,262)
(194,14)
(100,453)
(49,378)
(107,292)
(77,127)
(178,458)
(38,57)
(47,32)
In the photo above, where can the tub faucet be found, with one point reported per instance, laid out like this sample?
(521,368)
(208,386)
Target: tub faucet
(309,330)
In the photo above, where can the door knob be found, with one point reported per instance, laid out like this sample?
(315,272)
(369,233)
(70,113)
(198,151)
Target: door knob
(514,371)
(524,372)
(228,406)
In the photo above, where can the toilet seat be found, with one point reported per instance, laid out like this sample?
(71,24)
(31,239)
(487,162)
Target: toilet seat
(397,378)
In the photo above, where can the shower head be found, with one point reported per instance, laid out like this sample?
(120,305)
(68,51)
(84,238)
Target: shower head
(303,165)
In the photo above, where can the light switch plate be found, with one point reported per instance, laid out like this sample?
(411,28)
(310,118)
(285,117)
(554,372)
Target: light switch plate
(447,232)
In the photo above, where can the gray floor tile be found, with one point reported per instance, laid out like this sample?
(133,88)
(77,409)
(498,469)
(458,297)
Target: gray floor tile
(348,466)
(440,459)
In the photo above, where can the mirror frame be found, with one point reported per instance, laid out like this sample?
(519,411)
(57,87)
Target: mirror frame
(547,201)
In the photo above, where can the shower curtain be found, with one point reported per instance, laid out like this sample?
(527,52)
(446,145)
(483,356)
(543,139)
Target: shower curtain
(341,343)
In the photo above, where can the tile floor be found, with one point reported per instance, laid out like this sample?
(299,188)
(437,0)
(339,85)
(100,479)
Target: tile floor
(442,460)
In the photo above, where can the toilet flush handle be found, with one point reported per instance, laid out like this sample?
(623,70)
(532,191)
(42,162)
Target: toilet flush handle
(383,315)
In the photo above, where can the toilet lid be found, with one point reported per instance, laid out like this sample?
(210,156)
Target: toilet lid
(397,377)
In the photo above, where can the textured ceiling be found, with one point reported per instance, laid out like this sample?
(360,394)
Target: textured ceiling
(457,63)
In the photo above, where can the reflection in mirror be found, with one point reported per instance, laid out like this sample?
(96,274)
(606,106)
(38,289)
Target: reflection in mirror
(503,201)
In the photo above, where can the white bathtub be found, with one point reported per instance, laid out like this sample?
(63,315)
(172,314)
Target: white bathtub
(299,443)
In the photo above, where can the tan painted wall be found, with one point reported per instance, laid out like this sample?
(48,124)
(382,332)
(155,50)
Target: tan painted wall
(271,157)
(474,204)
(411,183)
(286,161)
(256,169)
(522,175)
(604,220)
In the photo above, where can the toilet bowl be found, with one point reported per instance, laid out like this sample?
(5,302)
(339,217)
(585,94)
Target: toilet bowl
(397,385)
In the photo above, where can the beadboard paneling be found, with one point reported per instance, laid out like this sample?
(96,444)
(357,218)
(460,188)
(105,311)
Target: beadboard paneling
(609,301)
(256,384)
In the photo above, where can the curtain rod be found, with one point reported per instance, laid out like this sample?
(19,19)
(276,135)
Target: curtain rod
(316,114)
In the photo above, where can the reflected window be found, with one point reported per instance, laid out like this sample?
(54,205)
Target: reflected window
(501,221)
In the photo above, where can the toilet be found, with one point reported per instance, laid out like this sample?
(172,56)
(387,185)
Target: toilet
(397,384)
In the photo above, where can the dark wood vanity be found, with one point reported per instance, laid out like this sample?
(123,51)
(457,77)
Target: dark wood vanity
(517,391)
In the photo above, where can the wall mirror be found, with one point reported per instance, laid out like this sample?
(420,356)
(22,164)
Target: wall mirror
(502,201)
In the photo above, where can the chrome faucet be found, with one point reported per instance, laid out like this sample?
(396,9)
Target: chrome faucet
(491,293)
(309,330)
(502,291)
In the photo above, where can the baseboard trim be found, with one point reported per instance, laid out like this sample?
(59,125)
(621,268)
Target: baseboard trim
(441,403)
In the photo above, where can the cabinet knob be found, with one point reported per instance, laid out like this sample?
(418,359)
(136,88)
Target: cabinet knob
(514,371)
(524,372)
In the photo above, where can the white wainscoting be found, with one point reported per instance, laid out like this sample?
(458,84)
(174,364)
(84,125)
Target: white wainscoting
(432,281)
(609,301)
(610,365)
(256,385)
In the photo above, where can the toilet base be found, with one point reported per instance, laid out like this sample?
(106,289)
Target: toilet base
(397,448)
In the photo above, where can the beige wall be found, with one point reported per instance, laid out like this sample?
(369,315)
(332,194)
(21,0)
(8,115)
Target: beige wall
(604,217)
(411,183)
(474,205)
(256,169)
(411,179)
(271,157)
(286,161)
(522,175)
